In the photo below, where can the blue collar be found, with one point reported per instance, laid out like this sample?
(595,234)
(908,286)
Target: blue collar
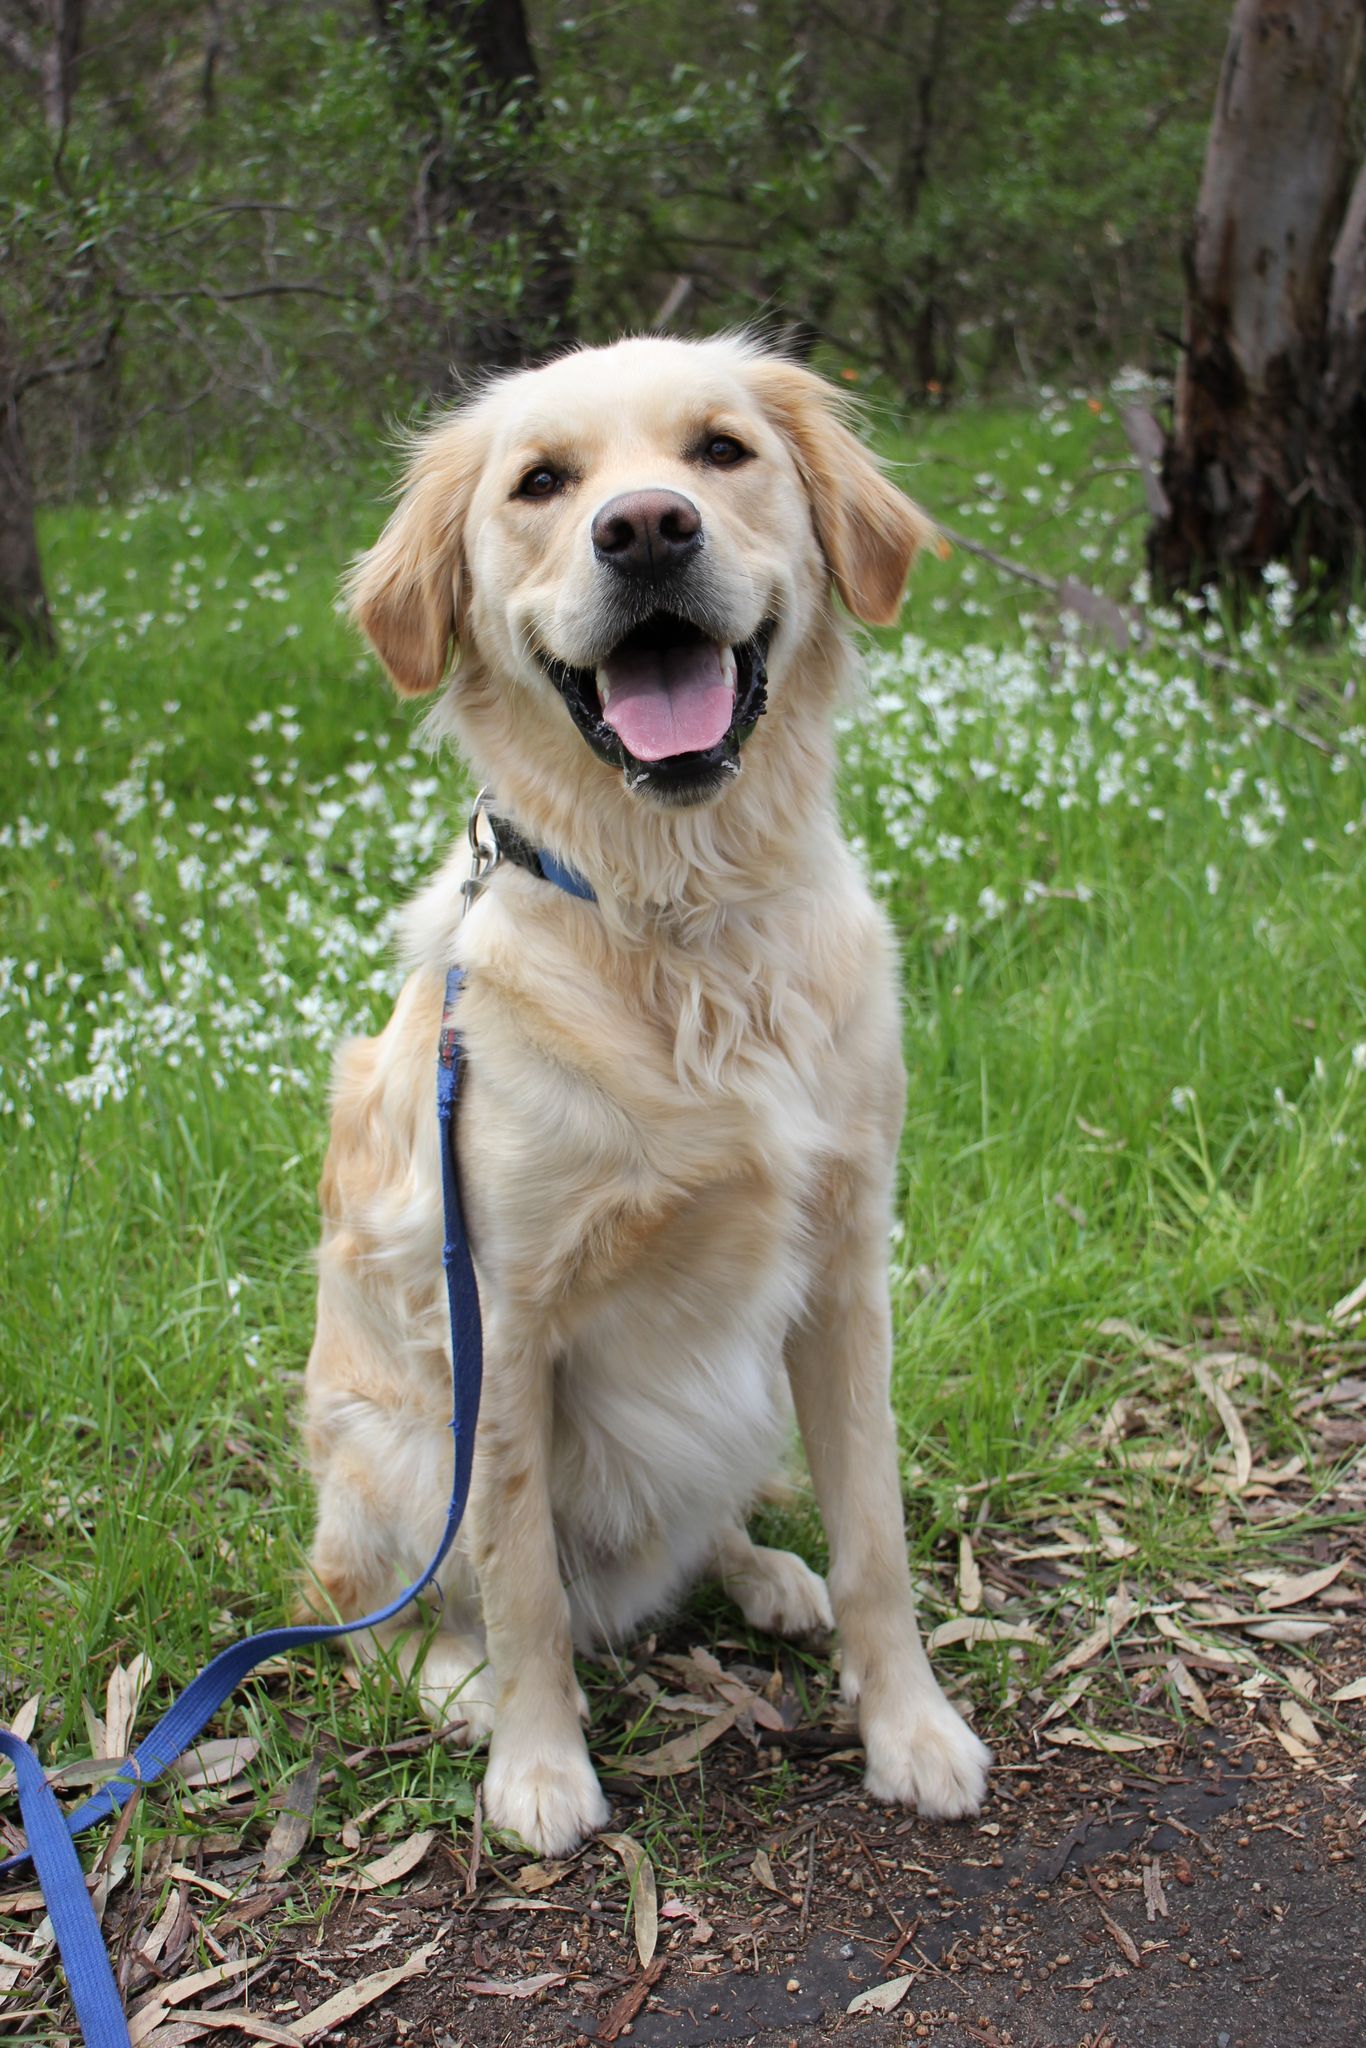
(512,845)
(568,879)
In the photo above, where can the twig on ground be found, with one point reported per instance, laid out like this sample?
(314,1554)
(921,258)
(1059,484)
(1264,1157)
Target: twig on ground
(1097,609)
(804,1917)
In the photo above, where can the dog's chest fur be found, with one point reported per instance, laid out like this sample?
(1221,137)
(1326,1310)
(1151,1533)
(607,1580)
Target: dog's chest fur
(646,1152)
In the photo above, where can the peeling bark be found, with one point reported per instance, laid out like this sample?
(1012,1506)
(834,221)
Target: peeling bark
(1253,472)
(1344,384)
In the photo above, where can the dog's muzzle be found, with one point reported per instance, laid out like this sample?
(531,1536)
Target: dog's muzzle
(670,704)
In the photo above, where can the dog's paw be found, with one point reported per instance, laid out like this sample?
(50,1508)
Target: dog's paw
(457,1688)
(923,1754)
(549,1797)
(780,1594)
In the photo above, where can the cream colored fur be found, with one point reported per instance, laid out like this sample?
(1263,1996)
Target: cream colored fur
(682,1110)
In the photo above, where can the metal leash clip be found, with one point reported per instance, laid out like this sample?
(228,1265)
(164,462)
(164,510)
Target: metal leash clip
(486,856)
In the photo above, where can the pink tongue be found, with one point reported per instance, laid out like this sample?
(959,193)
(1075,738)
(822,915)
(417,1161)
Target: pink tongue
(667,700)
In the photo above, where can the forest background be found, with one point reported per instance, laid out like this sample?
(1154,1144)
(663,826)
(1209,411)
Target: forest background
(232,225)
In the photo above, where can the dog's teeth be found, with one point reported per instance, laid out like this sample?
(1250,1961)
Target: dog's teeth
(728,667)
(604,687)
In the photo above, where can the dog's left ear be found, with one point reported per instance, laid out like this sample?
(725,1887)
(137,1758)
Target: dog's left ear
(869,531)
(407,594)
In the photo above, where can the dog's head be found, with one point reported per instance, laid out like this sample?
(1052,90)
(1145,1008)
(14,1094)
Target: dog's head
(643,537)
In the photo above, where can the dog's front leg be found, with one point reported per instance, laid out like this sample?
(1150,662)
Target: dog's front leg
(920,1751)
(540,1783)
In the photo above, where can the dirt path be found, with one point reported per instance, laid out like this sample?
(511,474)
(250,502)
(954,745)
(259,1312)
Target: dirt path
(1207,1893)
(1201,1890)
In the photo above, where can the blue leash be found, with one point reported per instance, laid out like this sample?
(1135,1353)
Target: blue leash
(99,2010)
(50,1832)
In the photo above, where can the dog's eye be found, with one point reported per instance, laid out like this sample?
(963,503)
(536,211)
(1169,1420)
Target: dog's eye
(723,451)
(539,483)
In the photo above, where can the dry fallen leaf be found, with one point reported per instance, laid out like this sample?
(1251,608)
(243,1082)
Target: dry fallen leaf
(95,1730)
(1154,1898)
(1150,1347)
(1108,1742)
(1222,1404)
(1121,1938)
(1120,1610)
(881,1997)
(516,1987)
(125,1689)
(213,1763)
(178,2034)
(749,1705)
(1190,1690)
(182,1874)
(294,1825)
(969,1577)
(762,1868)
(682,1753)
(387,1869)
(94,1770)
(1355,1689)
(1113,1541)
(1212,1653)
(353,1827)
(160,1935)
(1342,1310)
(353,1998)
(1288,1629)
(155,2008)
(23,1725)
(28,1902)
(1299,1724)
(1064,1702)
(644,1907)
(1290,1589)
(538,1877)
(1299,1752)
(192,2025)
(980,1628)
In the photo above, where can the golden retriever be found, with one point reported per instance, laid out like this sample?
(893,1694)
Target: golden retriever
(679,1131)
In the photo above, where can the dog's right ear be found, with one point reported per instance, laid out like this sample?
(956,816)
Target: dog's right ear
(406,593)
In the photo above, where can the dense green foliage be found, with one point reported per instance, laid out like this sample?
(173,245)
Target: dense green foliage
(293,220)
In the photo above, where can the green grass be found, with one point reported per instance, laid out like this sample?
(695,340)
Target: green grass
(1134,935)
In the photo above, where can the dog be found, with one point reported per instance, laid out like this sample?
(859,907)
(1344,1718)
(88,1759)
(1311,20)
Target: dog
(678,1136)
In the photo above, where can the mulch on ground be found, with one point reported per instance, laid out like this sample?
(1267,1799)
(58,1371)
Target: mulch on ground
(1206,1889)
(1169,1854)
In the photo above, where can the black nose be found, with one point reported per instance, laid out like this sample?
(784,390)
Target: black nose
(647,533)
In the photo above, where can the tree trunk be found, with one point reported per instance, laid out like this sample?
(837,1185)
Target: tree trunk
(1343,466)
(25,622)
(904,308)
(50,62)
(1251,471)
(513,201)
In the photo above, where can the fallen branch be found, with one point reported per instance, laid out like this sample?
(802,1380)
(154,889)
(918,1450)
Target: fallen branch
(1132,627)
(1001,562)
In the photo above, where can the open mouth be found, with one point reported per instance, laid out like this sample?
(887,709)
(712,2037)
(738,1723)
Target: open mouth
(669,706)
